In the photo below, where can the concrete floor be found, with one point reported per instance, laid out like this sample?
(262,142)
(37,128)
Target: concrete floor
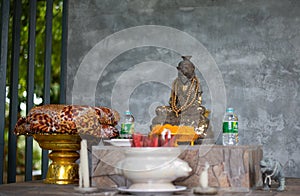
(39,188)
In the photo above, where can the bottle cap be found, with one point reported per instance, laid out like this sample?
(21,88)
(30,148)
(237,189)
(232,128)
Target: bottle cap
(127,112)
(230,110)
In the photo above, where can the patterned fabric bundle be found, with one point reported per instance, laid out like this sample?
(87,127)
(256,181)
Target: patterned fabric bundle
(69,119)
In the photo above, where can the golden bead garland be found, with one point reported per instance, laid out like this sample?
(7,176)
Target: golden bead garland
(187,104)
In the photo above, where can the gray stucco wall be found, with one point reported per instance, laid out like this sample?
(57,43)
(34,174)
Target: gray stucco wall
(246,54)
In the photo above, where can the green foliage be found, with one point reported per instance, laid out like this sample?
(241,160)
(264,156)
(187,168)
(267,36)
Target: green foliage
(40,48)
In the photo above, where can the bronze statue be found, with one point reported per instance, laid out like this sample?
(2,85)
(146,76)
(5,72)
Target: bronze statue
(185,101)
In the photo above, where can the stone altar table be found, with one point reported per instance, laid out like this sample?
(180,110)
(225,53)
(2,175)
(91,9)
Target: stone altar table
(232,168)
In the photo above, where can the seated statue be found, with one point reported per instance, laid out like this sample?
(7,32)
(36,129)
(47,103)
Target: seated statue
(185,107)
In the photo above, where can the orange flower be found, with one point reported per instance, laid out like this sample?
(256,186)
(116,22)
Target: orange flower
(175,130)
(182,133)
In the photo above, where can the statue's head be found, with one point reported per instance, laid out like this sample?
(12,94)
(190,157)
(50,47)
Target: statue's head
(186,68)
(267,165)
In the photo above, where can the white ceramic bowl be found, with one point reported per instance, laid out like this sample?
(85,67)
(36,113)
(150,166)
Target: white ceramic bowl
(153,168)
(119,142)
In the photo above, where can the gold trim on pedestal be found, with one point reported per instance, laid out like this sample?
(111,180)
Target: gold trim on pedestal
(63,169)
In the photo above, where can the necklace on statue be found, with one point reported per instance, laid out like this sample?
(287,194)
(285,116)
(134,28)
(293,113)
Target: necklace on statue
(184,87)
(189,101)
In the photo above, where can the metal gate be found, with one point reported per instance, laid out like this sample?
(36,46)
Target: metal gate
(11,22)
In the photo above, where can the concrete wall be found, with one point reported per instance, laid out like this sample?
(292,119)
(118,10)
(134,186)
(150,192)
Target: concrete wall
(246,54)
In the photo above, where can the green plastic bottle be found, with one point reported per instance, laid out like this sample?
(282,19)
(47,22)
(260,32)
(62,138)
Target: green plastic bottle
(127,127)
(230,128)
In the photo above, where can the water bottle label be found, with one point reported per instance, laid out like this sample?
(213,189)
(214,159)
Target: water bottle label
(127,128)
(230,127)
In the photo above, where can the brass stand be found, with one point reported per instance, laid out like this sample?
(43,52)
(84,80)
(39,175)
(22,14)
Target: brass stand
(63,169)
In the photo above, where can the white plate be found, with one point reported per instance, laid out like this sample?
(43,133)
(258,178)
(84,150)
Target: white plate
(119,142)
(151,192)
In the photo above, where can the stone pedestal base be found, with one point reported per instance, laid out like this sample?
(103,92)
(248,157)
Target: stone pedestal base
(233,168)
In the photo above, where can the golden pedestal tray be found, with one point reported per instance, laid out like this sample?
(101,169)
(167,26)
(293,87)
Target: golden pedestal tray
(63,169)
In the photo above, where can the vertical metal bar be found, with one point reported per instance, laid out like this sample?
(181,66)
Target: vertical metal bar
(3,66)
(64,41)
(47,72)
(14,81)
(30,85)
(48,51)
(31,54)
